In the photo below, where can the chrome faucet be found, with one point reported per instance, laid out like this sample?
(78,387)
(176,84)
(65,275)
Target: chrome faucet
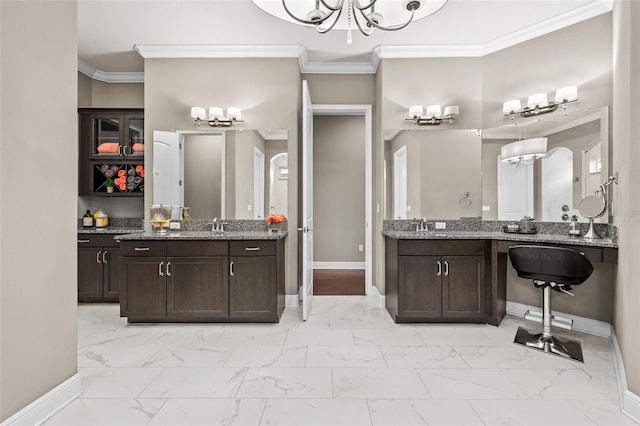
(217,226)
(422,225)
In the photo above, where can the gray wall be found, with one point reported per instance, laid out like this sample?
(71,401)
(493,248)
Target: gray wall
(38,346)
(338,188)
(626,209)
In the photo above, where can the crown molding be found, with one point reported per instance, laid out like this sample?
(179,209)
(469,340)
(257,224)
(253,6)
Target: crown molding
(151,51)
(109,77)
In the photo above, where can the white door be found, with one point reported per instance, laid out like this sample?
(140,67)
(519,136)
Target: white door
(258,184)
(400,183)
(515,191)
(307,201)
(167,168)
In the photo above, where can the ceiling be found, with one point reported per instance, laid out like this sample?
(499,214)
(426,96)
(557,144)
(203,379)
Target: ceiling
(108,30)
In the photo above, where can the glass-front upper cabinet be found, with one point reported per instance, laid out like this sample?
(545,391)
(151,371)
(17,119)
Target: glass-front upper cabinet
(117,134)
(134,136)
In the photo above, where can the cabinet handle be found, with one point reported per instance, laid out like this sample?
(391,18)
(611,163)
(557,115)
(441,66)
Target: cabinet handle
(231,268)
(98,258)
(104,257)
(252,248)
(168,269)
(160,265)
(124,150)
(120,151)
(141,249)
(84,241)
(446,268)
(439,268)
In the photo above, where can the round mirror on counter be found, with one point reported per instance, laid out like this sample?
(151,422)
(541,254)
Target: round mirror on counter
(592,207)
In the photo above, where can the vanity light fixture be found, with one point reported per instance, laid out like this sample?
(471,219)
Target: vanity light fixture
(363,15)
(217,117)
(524,151)
(539,104)
(434,115)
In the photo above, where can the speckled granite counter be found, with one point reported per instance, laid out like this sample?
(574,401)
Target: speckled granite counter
(109,230)
(203,235)
(503,236)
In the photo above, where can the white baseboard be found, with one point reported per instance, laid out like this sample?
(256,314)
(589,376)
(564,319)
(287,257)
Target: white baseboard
(291,301)
(48,404)
(378,297)
(338,265)
(630,402)
(582,324)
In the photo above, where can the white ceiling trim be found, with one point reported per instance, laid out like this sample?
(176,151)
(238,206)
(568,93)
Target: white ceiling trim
(109,77)
(148,51)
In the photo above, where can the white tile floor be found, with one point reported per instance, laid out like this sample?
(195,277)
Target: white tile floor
(349,364)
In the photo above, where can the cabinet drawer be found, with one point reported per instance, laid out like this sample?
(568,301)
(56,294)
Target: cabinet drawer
(96,240)
(143,248)
(252,248)
(440,247)
(197,248)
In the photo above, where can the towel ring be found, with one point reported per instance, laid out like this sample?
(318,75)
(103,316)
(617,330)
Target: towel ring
(465,201)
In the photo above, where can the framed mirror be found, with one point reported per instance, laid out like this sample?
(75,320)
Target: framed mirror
(432,174)
(575,164)
(232,174)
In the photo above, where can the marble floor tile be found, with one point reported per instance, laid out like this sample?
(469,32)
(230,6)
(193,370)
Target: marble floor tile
(457,335)
(116,382)
(227,412)
(107,412)
(385,412)
(293,319)
(267,356)
(422,357)
(379,383)
(387,336)
(345,356)
(514,356)
(252,335)
(470,384)
(316,412)
(570,383)
(195,383)
(207,356)
(530,413)
(286,383)
(117,348)
(604,412)
(319,337)
(362,316)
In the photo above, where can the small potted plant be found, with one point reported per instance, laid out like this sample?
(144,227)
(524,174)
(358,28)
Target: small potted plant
(274,222)
(109,185)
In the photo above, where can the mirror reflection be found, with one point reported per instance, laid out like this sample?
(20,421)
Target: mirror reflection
(548,189)
(233,174)
(432,174)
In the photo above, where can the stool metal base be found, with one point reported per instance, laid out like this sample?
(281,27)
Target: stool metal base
(568,349)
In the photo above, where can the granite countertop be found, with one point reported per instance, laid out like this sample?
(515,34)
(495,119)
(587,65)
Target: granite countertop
(488,235)
(109,230)
(203,235)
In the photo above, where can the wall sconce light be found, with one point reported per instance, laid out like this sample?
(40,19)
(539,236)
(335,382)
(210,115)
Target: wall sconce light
(524,151)
(434,115)
(539,104)
(217,117)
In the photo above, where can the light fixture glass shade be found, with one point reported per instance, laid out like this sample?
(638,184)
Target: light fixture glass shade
(511,106)
(234,112)
(434,111)
(537,100)
(525,150)
(198,113)
(567,94)
(451,110)
(416,111)
(215,112)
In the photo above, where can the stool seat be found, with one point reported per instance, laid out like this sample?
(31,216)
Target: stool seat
(550,267)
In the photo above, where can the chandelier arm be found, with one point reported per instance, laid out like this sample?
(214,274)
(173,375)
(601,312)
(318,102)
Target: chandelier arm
(338,6)
(306,21)
(365,7)
(392,28)
(365,31)
(333,24)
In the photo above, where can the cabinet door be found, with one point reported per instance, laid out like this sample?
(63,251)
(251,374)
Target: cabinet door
(111,264)
(419,287)
(90,274)
(107,135)
(463,291)
(252,288)
(143,288)
(134,136)
(197,287)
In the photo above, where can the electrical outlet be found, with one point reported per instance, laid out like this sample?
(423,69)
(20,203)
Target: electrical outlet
(408,208)
(360,247)
(249,208)
(441,225)
(486,208)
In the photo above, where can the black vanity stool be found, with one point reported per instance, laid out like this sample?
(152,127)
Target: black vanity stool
(556,268)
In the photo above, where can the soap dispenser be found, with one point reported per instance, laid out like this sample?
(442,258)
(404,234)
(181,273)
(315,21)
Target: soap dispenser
(574,232)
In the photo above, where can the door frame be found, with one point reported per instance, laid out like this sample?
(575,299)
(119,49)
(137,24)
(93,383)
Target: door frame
(366,111)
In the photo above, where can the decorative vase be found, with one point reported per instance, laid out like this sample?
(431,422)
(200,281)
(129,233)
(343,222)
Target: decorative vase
(274,227)
(109,189)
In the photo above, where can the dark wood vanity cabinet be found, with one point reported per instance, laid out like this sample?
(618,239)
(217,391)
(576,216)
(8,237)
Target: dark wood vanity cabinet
(215,281)
(436,280)
(98,268)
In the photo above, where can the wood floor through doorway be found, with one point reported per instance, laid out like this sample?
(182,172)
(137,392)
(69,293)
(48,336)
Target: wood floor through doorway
(338,282)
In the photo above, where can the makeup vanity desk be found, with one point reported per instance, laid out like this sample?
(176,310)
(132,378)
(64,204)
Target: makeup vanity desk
(461,276)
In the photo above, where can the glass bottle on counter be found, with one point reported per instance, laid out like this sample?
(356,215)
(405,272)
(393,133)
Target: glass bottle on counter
(87,220)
